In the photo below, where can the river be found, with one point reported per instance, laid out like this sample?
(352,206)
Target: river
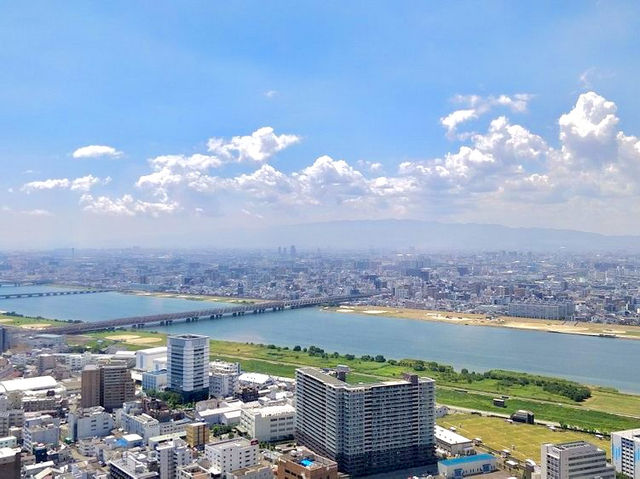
(590,360)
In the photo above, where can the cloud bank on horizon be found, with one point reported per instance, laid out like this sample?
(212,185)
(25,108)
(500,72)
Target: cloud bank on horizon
(583,178)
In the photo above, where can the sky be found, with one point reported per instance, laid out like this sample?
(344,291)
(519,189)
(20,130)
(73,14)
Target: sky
(148,122)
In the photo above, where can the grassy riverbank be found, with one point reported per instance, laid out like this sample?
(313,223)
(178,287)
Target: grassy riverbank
(470,319)
(605,410)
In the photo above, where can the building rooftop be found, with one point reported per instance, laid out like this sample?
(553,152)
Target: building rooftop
(467,459)
(28,384)
(450,437)
(334,381)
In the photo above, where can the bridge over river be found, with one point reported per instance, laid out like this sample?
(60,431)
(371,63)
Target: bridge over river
(205,314)
(53,293)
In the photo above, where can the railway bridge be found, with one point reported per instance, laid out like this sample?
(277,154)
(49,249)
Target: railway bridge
(198,315)
(52,293)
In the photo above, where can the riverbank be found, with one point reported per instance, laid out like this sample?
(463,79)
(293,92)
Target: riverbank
(612,331)
(606,410)
(196,297)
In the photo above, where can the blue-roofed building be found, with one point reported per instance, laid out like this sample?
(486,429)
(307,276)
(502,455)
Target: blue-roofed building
(467,466)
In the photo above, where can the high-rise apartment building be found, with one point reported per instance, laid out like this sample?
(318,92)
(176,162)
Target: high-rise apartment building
(108,386)
(188,366)
(366,428)
(577,459)
(90,386)
(116,386)
(625,452)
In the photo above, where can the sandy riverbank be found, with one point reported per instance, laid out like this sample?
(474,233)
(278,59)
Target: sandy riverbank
(564,327)
(195,297)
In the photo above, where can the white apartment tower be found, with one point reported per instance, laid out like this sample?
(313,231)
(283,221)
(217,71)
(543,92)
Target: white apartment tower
(188,366)
(575,460)
(625,452)
(366,428)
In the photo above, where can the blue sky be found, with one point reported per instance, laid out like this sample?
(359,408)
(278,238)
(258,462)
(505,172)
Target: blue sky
(363,86)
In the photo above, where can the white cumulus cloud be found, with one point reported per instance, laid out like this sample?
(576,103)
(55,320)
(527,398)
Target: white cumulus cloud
(96,151)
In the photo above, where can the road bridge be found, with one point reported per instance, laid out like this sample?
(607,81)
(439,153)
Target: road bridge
(52,293)
(205,314)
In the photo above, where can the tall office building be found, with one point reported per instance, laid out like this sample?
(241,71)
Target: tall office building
(108,386)
(116,386)
(188,366)
(366,428)
(577,459)
(625,452)
(90,386)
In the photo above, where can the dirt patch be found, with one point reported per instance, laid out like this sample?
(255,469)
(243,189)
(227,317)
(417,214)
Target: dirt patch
(122,337)
(144,340)
(35,326)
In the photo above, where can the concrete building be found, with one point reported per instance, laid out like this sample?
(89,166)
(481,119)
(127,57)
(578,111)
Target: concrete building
(452,442)
(197,434)
(90,386)
(223,379)
(188,366)
(269,424)
(170,456)
(155,380)
(230,455)
(556,310)
(90,422)
(146,358)
(577,459)
(302,462)
(625,452)
(11,415)
(467,466)
(134,464)
(116,386)
(8,441)
(366,428)
(42,429)
(9,463)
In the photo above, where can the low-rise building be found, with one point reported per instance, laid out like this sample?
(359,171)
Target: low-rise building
(452,442)
(154,380)
(302,462)
(42,429)
(467,466)
(232,454)
(269,424)
(90,422)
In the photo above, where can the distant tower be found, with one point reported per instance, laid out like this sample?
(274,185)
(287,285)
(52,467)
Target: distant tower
(292,250)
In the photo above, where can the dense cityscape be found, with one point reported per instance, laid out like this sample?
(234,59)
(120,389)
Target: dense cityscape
(131,402)
(319,239)
(602,288)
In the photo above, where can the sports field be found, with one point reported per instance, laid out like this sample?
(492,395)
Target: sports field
(523,440)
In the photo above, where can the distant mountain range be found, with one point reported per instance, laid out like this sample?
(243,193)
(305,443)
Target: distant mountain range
(427,235)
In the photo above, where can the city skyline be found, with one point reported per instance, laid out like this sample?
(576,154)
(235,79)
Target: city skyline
(154,121)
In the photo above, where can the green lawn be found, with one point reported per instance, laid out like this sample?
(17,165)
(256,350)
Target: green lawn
(523,440)
(587,419)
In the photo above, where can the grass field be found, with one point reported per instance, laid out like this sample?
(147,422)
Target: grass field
(523,440)
(29,323)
